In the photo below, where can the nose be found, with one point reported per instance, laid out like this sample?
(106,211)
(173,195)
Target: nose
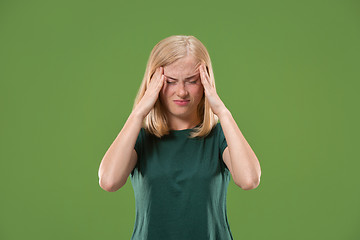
(181,91)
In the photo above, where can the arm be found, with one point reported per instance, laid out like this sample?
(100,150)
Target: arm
(120,159)
(238,156)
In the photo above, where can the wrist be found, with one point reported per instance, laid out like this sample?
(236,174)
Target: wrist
(138,113)
(224,113)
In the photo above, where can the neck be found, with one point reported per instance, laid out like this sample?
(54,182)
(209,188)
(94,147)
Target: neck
(181,124)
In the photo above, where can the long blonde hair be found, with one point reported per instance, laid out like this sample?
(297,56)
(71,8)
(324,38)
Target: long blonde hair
(164,53)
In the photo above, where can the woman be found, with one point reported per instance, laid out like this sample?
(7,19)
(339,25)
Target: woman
(178,156)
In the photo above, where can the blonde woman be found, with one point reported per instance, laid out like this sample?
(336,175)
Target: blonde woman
(178,155)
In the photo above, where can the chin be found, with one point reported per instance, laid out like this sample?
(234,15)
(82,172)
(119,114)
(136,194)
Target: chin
(180,113)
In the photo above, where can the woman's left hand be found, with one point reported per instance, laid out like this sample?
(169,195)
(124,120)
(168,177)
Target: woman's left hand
(217,106)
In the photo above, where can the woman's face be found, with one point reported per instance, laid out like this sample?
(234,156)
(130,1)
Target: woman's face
(182,90)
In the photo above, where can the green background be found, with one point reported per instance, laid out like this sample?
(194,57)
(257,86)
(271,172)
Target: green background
(287,70)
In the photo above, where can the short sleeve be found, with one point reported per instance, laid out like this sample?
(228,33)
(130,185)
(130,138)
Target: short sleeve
(138,144)
(222,142)
(138,148)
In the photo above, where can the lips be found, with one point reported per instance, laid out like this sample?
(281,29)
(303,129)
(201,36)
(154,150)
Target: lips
(181,102)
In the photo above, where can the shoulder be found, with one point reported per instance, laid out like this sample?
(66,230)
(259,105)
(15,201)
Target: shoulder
(142,136)
(217,128)
(214,132)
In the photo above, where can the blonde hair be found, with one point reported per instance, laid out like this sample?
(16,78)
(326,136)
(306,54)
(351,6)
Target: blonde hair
(164,53)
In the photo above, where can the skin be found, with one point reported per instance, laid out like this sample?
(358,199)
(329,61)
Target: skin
(238,156)
(179,86)
(121,158)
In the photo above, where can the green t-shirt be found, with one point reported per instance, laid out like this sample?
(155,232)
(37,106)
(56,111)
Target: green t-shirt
(180,186)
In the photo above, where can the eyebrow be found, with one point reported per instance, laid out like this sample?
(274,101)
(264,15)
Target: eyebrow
(188,78)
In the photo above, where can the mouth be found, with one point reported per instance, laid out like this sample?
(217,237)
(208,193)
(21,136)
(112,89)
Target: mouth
(181,102)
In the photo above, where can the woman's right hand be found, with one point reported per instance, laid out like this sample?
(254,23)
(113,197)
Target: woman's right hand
(152,92)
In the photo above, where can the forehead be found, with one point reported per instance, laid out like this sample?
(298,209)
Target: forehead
(183,67)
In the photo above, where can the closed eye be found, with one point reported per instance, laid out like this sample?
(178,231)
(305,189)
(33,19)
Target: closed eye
(193,82)
(173,82)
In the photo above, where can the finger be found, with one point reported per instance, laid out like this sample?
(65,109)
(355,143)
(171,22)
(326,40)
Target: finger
(205,71)
(161,71)
(203,79)
(161,82)
(156,74)
(203,76)
(161,79)
(207,77)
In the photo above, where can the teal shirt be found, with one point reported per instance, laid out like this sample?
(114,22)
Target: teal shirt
(180,186)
